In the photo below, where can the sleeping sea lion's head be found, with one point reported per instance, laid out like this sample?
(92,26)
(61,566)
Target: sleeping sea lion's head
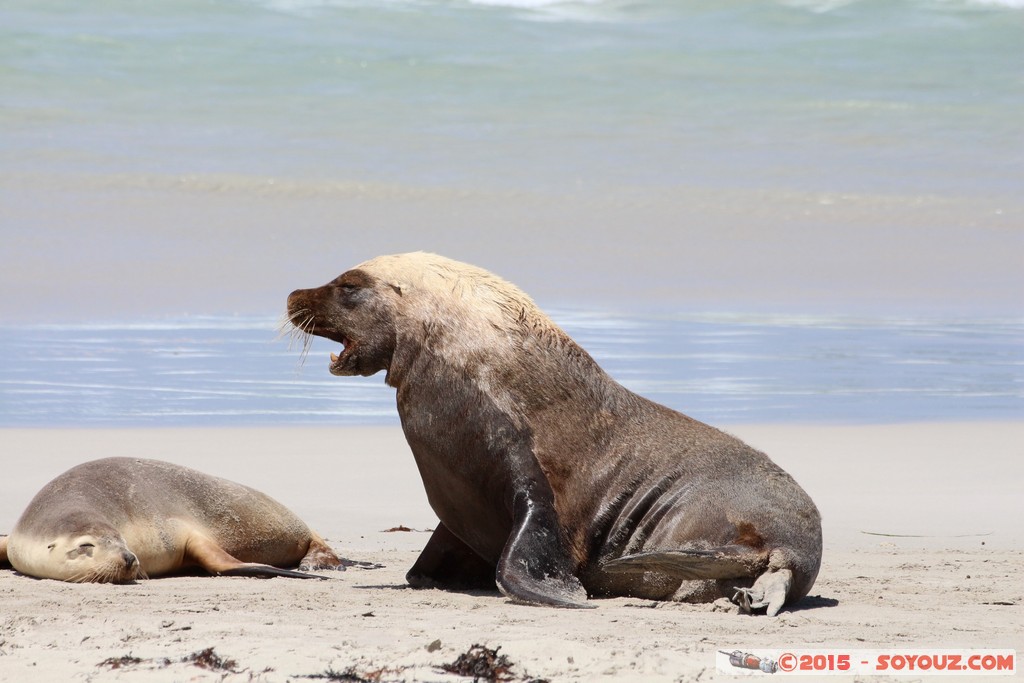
(97,554)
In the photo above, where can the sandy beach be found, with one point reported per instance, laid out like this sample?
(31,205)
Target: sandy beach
(921,550)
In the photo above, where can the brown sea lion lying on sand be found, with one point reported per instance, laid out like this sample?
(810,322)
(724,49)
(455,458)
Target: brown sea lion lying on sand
(119,519)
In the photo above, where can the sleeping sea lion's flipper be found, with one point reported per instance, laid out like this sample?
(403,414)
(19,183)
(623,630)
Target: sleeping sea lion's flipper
(320,556)
(206,553)
(265,571)
(3,550)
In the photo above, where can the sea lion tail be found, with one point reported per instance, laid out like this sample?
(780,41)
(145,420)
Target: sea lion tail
(726,562)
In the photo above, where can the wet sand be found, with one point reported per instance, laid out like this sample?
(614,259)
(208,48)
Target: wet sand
(143,247)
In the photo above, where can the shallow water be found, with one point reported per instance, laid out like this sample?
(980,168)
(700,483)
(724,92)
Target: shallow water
(717,368)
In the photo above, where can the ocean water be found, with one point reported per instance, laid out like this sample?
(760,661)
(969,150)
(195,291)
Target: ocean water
(895,96)
(168,157)
(723,369)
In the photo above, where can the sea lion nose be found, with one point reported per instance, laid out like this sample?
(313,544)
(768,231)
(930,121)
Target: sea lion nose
(295,299)
(129,559)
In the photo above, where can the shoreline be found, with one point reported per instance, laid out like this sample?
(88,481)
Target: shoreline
(939,589)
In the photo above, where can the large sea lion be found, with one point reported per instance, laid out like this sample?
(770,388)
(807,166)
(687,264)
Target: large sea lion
(119,519)
(549,477)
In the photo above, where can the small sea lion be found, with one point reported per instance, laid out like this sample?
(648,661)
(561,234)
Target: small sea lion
(548,477)
(116,520)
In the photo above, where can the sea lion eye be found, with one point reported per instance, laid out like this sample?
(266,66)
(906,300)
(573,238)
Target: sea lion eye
(352,293)
(351,282)
(82,549)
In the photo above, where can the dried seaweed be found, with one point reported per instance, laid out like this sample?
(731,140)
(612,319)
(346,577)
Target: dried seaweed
(208,659)
(118,662)
(482,664)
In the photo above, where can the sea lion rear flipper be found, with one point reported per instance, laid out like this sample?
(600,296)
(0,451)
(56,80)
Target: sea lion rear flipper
(770,591)
(3,551)
(536,566)
(726,562)
(320,556)
(206,553)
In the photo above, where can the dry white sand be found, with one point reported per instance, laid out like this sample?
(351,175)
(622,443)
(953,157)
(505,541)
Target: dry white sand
(956,584)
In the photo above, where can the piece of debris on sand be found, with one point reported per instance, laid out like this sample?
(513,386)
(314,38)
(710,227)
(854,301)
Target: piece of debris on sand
(118,662)
(208,659)
(352,675)
(482,664)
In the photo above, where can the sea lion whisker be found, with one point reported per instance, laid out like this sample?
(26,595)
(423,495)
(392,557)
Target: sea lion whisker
(284,327)
(305,337)
(287,325)
(105,574)
(298,332)
(82,577)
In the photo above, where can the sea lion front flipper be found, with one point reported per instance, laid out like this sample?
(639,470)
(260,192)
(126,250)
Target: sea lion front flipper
(206,553)
(536,566)
(769,591)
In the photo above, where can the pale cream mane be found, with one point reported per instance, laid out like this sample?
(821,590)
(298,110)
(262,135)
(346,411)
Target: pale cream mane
(447,292)
(484,325)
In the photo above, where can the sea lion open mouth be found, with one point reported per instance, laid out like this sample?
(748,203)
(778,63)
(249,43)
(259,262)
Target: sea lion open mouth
(345,312)
(339,361)
(305,325)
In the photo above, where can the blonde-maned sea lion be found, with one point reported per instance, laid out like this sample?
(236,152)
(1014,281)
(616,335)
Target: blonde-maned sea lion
(119,519)
(549,477)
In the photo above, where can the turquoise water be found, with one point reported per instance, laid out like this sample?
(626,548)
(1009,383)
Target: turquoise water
(851,95)
(720,368)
